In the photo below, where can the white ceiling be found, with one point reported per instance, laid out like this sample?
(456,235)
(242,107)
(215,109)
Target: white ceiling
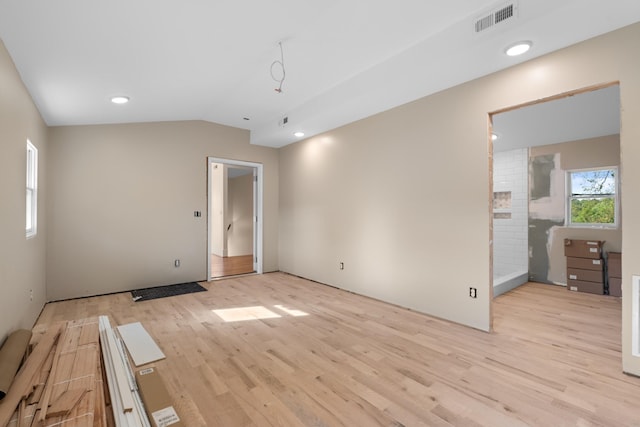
(210,60)
(586,115)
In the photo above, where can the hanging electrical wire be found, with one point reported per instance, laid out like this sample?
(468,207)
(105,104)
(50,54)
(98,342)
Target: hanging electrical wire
(279,63)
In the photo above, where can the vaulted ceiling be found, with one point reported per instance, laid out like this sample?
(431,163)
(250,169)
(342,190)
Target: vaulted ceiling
(214,60)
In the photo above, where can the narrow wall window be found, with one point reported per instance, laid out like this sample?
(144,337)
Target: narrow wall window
(32,189)
(593,197)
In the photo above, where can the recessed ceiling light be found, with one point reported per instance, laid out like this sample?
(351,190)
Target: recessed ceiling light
(298,134)
(494,136)
(120,99)
(518,48)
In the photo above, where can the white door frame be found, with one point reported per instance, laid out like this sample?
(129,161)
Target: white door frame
(257,207)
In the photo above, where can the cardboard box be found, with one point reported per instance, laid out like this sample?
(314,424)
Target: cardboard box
(156,399)
(590,287)
(585,275)
(614,264)
(585,263)
(615,287)
(583,248)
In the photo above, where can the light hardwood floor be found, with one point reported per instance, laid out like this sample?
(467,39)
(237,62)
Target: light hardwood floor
(231,266)
(553,360)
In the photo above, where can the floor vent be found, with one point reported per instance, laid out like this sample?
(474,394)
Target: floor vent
(503,13)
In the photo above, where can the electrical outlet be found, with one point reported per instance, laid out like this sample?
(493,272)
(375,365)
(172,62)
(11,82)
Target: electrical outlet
(473,292)
(197,214)
(30,294)
(341,265)
(176,263)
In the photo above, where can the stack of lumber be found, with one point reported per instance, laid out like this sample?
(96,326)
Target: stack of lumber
(61,382)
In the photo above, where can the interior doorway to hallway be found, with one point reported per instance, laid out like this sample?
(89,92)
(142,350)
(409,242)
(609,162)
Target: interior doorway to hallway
(234,218)
(231,265)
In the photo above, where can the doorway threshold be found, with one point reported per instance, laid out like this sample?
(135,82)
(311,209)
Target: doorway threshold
(232,276)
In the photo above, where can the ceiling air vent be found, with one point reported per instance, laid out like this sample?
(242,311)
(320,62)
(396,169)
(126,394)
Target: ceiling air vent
(484,23)
(503,13)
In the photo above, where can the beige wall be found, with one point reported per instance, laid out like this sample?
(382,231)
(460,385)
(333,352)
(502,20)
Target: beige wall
(402,197)
(240,238)
(122,199)
(22,261)
(583,154)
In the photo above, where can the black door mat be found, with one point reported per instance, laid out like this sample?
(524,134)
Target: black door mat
(166,291)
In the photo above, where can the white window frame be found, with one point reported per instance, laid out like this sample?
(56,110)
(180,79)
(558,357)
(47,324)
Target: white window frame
(32,191)
(616,198)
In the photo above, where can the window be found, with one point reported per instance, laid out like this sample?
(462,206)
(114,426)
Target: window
(32,189)
(593,197)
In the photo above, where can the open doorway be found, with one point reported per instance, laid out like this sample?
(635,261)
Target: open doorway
(235,218)
(537,149)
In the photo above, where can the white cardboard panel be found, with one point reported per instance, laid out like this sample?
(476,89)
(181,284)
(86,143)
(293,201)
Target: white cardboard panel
(142,348)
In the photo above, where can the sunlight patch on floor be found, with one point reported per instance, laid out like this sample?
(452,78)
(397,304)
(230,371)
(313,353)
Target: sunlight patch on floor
(291,311)
(245,313)
(257,312)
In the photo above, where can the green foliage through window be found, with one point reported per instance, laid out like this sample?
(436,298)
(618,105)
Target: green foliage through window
(593,211)
(593,197)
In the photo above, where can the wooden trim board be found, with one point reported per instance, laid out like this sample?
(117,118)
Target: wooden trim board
(124,398)
(142,348)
